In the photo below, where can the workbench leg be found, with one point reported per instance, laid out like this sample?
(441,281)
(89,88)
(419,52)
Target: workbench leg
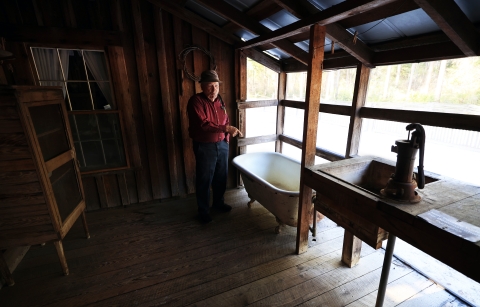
(387,261)
(352,247)
(61,256)
(5,271)
(85,226)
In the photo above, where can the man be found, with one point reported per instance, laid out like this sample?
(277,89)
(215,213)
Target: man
(210,130)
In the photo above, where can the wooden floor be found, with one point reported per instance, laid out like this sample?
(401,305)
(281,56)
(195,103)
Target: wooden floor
(158,254)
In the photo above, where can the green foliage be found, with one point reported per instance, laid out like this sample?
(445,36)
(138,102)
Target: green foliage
(262,82)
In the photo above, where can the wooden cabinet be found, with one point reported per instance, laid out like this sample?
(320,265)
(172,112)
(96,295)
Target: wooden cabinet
(41,193)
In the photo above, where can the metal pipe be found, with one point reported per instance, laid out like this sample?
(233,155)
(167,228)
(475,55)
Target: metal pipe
(387,261)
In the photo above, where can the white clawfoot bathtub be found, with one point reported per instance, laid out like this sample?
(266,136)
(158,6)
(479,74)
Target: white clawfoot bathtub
(273,180)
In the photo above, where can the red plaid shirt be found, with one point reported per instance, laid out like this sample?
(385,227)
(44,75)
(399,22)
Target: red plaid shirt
(207,119)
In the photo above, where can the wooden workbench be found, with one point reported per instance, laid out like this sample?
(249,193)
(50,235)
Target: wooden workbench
(444,224)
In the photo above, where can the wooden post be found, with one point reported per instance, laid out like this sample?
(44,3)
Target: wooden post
(166,101)
(359,97)
(241,94)
(312,108)
(282,89)
(352,247)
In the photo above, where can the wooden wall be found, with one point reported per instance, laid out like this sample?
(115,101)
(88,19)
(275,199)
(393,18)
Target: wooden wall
(142,44)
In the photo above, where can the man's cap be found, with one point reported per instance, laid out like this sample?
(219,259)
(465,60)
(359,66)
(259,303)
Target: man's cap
(209,76)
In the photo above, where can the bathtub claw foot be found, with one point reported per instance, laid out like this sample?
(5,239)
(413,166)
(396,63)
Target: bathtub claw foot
(250,203)
(278,229)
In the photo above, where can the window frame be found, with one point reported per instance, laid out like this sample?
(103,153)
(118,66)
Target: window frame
(115,107)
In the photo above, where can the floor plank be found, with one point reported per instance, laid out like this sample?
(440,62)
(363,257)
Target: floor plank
(159,254)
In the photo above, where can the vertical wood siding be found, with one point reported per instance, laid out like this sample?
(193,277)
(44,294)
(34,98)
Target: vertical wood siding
(156,123)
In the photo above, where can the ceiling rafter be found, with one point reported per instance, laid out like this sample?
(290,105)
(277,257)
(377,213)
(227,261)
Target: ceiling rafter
(229,12)
(196,20)
(456,25)
(332,14)
(259,11)
(335,32)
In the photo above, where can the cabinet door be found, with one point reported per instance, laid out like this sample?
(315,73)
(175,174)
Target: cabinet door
(55,144)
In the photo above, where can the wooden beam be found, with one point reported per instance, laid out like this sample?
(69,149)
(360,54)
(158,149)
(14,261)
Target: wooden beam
(344,39)
(166,101)
(281,93)
(258,11)
(257,104)
(412,41)
(197,21)
(319,152)
(60,36)
(456,25)
(257,140)
(391,9)
(359,97)
(145,99)
(333,14)
(340,59)
(310,123)
(433,52)
(231,13)
(335,32)
(438,119)
(326,108)
(263,59)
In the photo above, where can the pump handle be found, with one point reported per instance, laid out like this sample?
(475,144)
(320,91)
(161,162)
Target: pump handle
(418,137)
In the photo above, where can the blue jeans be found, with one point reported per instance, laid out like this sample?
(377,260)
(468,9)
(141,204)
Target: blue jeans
(211,170)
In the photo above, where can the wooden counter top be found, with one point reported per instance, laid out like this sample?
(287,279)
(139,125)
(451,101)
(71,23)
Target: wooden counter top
(445,223)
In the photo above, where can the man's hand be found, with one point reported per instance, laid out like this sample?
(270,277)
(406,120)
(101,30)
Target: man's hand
(233,131)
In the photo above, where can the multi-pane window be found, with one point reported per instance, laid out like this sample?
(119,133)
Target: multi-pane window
(94,120)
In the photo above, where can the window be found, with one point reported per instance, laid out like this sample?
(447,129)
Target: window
(441,86)
(332,132)
(337,86)
(94,120)
(262,82)
(449,86)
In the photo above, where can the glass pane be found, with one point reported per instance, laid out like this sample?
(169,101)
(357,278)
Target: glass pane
(296,86)
(79,96)
(47,64)
(440,86)
(294,123)
(264,147)
(261,121)
(50,130)
(99,89)
(76,68)
(262,82)
(332,133)
(100,141)
(87,127)
(109,125)
(113,153)
(337,86)
(93,154)
(79,153)
(65,188)
(96,65)
(450,152)
(71,120)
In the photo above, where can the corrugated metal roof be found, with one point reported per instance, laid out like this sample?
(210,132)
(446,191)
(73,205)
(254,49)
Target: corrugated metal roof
(403,25)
